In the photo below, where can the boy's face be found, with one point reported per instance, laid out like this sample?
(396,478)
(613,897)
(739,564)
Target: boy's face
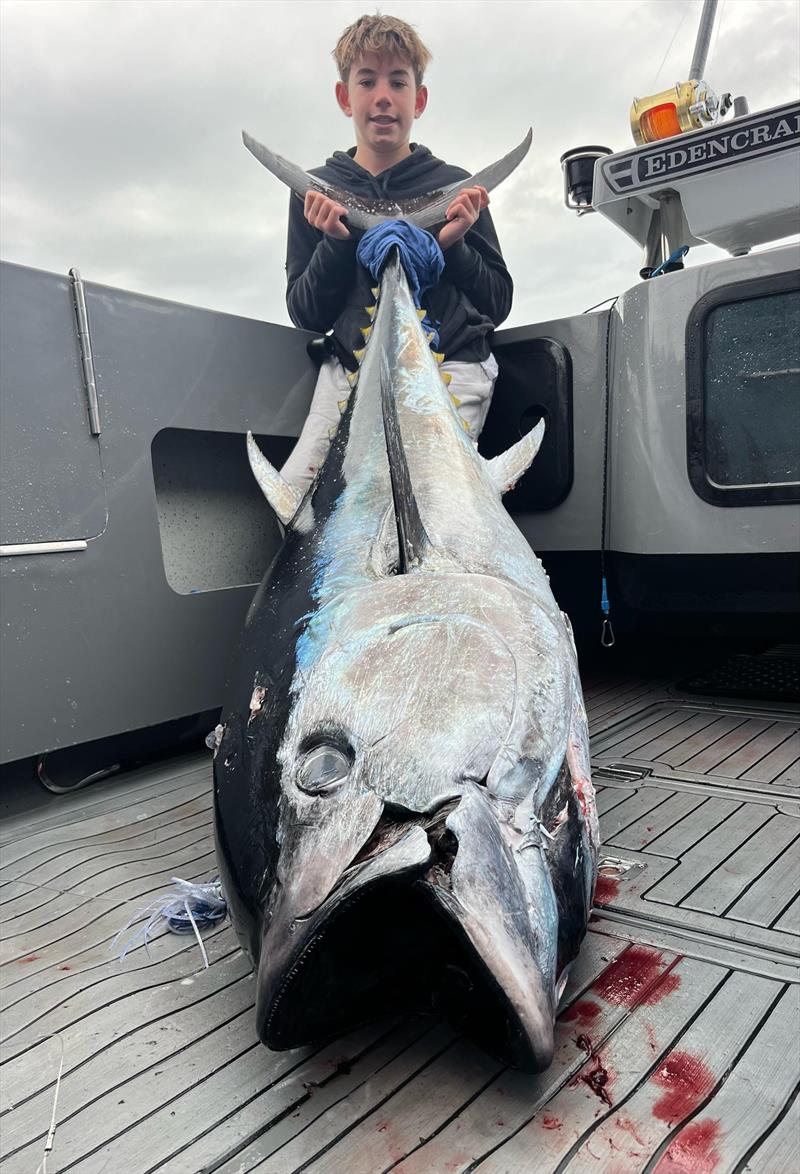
(382,98)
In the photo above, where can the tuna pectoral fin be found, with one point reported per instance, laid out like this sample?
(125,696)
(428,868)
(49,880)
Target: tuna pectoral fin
(506,469)
(283,497)
(508,920)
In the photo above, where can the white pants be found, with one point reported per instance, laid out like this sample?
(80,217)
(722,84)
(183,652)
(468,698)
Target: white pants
(472,384)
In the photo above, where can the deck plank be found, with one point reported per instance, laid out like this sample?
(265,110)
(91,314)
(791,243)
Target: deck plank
(105,804)
(105,873)
(47,864)
(218,1003)
(687,832)
(681,1081)
(782,764)
(640,803)
(122,812)
(545,1115)
(722,888)
(114,997)
(700,861)
(630,698)
(628,738)
(86,948)
(129,885)
(739,735)
(751,1097)
(777,1153)
(251,1132)
(162,1134)
(789,921)
(764,900)
(658,821)
(692,725)
(609,797)
(750,755)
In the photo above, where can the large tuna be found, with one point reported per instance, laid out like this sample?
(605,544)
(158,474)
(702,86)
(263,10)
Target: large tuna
(404,813)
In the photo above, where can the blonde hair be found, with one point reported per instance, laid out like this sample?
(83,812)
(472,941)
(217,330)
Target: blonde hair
(385,36)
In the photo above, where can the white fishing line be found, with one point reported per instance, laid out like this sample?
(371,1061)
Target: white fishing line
(51,1133)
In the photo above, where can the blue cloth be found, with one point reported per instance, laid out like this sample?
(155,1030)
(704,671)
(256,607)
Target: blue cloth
(420,254)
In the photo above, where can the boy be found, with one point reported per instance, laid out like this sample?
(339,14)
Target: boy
(381,63)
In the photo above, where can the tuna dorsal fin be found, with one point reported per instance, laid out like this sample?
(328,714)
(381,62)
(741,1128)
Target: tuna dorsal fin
(506,469)
(283,497)
(424,211)
(412,540)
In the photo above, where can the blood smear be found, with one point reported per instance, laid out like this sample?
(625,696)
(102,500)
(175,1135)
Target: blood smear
(584,1012)
(606,889)
(687,1082)
(637,976)
(692,1151)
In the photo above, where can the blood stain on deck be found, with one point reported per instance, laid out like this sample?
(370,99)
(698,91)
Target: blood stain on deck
(599,1078)
(629,1126)
(606,889)
(583,1012)
(693,1151)
(635,977)
(687,1082)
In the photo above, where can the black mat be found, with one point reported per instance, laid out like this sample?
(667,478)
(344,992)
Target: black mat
(769,676)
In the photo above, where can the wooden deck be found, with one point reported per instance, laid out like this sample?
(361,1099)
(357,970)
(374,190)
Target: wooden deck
(677,1051)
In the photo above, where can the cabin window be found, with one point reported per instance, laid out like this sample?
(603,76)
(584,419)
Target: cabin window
(743,393)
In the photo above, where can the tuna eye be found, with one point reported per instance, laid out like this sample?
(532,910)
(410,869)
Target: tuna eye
(323,770)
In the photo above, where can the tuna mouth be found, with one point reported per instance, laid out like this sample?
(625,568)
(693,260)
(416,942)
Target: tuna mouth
(390,947)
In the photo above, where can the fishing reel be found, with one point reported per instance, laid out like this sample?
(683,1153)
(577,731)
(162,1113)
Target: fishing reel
(687,106)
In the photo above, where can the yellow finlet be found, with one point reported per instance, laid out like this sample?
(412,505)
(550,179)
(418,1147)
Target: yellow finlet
(376,289)
(366,331)
(439,358)
(447,377)
(456,402)
(429,337)
(332,431)
(421,314)
(370,311)
(341,405)
(464,424)
(352,377)
(359,355)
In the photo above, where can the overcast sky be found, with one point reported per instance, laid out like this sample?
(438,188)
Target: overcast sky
(121,121)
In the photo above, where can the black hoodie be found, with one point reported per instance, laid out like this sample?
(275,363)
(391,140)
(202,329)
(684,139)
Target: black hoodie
(329,290)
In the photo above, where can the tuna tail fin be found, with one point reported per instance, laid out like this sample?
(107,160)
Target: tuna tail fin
(423,211)
(284,498)
(434,207)
(412,540)
(506,469)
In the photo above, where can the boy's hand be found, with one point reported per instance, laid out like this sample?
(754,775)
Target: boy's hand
(461,215)
(325,214)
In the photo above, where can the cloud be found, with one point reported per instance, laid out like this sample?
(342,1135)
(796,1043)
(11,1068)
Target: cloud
(121,148)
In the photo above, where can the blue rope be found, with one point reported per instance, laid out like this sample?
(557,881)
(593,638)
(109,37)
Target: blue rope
(420,254)
(605,606)
(672,259)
